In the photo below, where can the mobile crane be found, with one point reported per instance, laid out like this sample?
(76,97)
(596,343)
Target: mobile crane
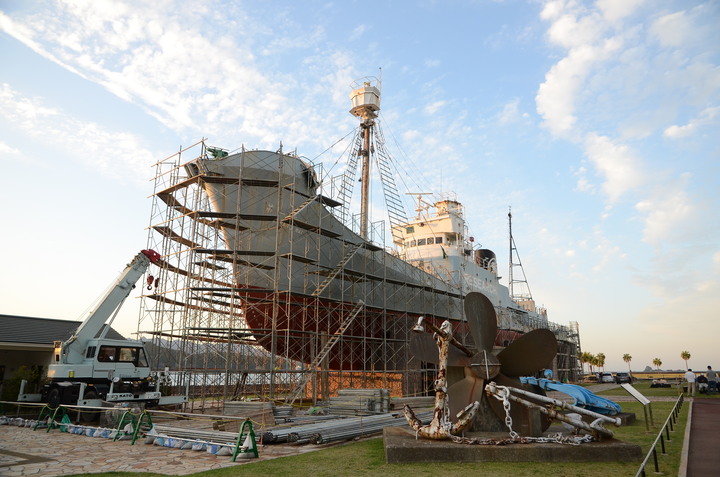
(88,368)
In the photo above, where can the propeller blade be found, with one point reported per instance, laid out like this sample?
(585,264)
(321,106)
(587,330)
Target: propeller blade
(482,320)
(464,392)
(531,352)
(424,348)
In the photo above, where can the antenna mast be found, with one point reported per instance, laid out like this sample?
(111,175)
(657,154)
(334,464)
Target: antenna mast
(366,104)
(524,293)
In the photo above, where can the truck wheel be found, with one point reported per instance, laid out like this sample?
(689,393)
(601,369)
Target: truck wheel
(53,399)
(91,415)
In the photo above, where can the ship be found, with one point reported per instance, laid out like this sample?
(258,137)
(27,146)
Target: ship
(316,283)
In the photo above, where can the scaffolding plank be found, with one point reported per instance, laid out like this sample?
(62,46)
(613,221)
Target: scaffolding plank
(315,228)
(235,180)
(251,253)
(240,261)
(171,201)
(297,258)
(210,179)
(327,201)
(166,231)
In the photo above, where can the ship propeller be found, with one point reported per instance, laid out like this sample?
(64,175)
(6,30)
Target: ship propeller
(467,376)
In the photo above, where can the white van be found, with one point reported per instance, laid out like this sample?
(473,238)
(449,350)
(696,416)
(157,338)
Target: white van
(606,378)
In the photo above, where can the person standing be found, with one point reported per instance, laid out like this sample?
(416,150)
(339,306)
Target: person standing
(712,380)
(690,378)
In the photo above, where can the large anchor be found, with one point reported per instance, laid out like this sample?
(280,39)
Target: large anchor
(440,427)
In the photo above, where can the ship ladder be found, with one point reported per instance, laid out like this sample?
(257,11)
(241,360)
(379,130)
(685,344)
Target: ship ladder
(300,208)
(393,202)
(336,271)
(324,352)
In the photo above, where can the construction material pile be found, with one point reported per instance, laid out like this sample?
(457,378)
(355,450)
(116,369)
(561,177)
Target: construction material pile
(335,430)
(360,402)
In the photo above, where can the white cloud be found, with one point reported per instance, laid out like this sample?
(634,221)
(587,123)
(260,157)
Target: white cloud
(176,62)
(511,112)
(358,32)
(6,150)
(434,107)
(673,29)
(583,184)
(669,215)
(614,10)
(582,36)
(552,9)
(117,154)
(705,117)
(570,31)
(616,163)
(434,63)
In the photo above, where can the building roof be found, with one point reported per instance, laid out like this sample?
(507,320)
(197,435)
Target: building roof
(40,331)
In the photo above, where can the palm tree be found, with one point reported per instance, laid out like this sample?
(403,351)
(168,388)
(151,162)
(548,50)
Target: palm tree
(601,360)
(581,358)
(685,355)
(627,358)
(595,361)
(657,362)
(586,358)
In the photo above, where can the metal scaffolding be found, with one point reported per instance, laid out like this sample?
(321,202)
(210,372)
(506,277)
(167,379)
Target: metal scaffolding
(196,311)
(212,282)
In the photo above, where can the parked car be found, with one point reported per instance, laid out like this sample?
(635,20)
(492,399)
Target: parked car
(606,378)
(623,378)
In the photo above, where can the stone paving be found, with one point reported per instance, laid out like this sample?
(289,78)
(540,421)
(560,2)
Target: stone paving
(24,452)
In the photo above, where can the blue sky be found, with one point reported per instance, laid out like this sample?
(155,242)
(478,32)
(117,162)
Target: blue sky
(597,121)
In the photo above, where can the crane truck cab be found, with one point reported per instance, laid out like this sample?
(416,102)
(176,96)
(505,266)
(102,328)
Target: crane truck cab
(88,368)
(112,370)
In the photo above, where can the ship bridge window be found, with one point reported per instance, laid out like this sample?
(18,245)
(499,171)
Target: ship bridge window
(409,230)
(421,242)
(438,239)
(413,243)
(430,240)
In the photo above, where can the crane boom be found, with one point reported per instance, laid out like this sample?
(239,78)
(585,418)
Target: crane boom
(74,347)
(88,370)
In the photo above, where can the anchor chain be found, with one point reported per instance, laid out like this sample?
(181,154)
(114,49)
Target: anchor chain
(551,439)
(504,394)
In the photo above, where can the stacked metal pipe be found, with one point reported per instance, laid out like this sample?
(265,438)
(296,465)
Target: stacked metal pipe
(338,429)
(197,434)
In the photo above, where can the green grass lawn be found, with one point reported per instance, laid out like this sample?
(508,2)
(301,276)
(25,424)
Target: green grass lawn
(367,458)
(646,390)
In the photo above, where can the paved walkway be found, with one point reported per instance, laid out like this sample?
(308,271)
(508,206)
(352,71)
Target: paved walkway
(703,457)
(24,452)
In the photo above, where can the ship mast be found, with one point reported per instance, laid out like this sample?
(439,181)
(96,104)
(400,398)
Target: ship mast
(525,294)
(366,104)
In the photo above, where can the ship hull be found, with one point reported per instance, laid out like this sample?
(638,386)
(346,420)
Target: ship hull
(302,274)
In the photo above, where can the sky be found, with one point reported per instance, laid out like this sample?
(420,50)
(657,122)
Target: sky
(596,121)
